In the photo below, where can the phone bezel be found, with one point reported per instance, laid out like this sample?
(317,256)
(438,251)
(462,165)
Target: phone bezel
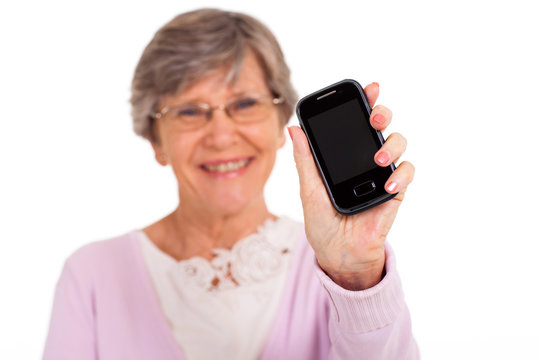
(342,194)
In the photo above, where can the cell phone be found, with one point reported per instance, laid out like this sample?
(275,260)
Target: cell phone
(343,143)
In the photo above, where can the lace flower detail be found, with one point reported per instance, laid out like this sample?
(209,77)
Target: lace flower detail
(197,271)
(255,258)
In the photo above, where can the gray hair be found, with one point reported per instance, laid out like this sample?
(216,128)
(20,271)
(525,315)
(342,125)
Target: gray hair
(196,43)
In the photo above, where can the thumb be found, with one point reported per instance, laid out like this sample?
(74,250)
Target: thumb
(305,165)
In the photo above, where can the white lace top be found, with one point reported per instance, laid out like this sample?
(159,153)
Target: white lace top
(225,307)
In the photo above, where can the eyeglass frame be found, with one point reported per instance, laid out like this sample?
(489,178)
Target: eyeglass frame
(210,109)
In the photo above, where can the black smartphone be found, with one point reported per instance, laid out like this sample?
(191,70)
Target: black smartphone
(343,142)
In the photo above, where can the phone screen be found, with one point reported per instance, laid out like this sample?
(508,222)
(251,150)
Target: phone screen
(345,141)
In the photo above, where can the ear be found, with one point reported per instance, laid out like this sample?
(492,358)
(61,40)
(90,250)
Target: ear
(159,154)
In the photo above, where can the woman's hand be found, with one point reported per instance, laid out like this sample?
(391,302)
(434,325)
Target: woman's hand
(350,249)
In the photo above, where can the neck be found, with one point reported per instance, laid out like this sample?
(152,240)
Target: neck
(189,231)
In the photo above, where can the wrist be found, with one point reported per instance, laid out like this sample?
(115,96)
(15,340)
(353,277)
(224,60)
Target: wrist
(357,280)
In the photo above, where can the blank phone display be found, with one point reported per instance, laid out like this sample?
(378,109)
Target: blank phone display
(344,138)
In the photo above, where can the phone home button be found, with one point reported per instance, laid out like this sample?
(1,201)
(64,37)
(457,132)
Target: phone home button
(364,188)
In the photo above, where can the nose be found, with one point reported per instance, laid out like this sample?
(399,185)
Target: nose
(221,130)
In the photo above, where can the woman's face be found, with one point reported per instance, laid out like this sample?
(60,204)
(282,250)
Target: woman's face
(222,166)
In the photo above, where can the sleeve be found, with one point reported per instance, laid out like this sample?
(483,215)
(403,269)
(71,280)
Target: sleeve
(72,330)
(374,322)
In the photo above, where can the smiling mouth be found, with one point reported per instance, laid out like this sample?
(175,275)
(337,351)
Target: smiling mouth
(228,166)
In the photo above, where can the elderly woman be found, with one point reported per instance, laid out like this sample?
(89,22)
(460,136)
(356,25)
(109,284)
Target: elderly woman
(222,277)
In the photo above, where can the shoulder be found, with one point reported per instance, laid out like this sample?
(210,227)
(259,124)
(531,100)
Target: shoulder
(104,257)
(102,250)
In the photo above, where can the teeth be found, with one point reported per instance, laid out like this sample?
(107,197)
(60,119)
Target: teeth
(228,166)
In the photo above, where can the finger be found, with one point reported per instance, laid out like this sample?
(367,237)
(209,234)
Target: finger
(305,165)
(380,118)
(372,93)
(400,178)
(391,150)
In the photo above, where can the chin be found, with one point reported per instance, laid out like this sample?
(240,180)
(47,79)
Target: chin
(229,204)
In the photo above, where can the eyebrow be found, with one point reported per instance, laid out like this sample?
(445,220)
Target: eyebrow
(234,95)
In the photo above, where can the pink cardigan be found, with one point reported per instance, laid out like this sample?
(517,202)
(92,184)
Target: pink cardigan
(105,307)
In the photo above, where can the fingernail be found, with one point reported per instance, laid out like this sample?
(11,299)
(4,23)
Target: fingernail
(289,130)
(382,158)
(376,83)
(378,119)
(392,185)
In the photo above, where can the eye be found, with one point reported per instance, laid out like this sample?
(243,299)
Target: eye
(244,104)
(189,111)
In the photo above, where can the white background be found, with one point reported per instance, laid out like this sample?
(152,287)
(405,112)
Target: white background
(461,78)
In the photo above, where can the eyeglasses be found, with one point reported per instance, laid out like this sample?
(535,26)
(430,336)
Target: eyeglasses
(244,110)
